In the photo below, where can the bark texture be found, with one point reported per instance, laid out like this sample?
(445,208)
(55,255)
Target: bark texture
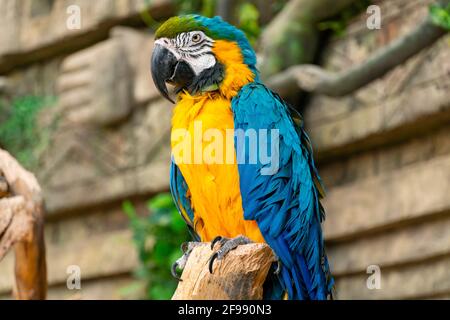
(292,36)
(240,275)
(314,79)
(22,226)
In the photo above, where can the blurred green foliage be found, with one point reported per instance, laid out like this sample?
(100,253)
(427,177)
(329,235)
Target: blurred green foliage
(19,131)
(157,237)
(247,13)
(440,16)
(203,7)
(249,21)
(338,24)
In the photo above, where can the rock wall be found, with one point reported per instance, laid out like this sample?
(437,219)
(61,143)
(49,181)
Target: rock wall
(383,152)
(111,141)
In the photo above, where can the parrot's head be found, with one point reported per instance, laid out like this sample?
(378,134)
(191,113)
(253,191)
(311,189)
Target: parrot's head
(198,54)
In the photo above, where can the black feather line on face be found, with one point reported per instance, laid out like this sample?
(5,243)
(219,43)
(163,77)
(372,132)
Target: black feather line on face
(196,48)
(206,78)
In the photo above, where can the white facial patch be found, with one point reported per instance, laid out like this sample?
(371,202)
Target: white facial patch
(201,63)
(194,47)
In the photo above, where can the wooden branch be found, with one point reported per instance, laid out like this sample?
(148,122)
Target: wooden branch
(22,226)
(225,9)
(3,84)
(314,79)
(240,275)
(4,187)
(292,36)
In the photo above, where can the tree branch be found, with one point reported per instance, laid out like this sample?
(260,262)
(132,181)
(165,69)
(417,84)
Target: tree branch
(314,79)
(240,275)
(3,85)
(22,225)
(225,9)
(292,36)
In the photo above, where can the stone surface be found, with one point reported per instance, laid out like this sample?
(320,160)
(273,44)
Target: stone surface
(409,99)
(95,85)
(414,192)
(38,79)
(101,191)
(109,128)
(386,159)
(107,254)
(84,240)
(138,47)
(389,120)
(409,245)
(416,281)
(34,30)
(111,288)
(100,85)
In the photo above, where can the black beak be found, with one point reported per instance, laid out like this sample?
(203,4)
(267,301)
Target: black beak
(166,68)
(163,66)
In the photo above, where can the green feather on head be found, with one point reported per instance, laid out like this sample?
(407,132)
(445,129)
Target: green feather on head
(176,25)
(215,28)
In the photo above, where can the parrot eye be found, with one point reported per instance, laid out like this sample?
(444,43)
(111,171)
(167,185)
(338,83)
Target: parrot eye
(196,37)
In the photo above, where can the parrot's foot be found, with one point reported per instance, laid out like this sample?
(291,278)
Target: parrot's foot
(187,248)
(278,269)
(226,245)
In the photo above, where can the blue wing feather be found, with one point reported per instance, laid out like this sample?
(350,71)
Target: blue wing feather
(179,191)
(286,204)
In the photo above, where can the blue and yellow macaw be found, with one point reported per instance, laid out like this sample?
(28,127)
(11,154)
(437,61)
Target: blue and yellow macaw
(213,68)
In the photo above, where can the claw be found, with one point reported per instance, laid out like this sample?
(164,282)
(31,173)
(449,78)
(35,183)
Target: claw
(211,262)
(215,240)
(173,271)
(227,246)
(278,270)
(279,265)
(186,247)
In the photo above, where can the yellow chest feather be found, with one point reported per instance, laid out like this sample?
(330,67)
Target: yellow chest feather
(202,146)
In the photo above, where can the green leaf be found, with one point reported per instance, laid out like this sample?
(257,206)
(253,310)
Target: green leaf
(338,24)
(440,16)
(249,21)
(162,250)
(131,290)
(189,6)
(157,238)
(161,201)
(19,131)
(129,209)
(208,8)
(177,223)
(162,292)
(174,257)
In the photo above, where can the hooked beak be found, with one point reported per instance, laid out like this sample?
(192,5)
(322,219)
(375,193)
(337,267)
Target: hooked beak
(166,68)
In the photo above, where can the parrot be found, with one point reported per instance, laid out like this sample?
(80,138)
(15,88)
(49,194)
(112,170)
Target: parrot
(239,200)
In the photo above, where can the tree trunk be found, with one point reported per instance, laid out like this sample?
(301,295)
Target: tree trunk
(22,226)
(240,275)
